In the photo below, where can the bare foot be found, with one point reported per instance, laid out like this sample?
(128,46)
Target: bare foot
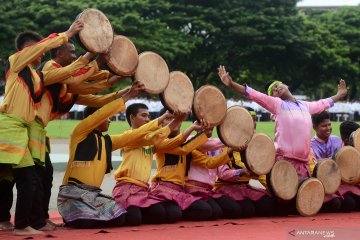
(6,226)
(48,227)
(27,231)
(54,224)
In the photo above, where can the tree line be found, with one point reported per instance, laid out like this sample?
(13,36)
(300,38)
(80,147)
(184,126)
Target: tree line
(257,41)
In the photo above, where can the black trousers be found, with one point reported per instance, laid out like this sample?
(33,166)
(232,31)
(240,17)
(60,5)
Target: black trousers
(90,223)
(198,211)
(29,204)
(47,179)
(154,214)
(230,208)
(6,199)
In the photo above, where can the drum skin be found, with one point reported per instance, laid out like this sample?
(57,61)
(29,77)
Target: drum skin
(178,96)
(310,197)
(259,157)
(153,72)
(237,128)
(209,104)
(348,160)
(282,180)
(123,57)
(328,172)
(97,34)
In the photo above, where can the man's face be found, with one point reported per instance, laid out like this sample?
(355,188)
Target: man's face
(104,126)
(280,90)
(141,118)
(67,54)
(324,129)
(37,61)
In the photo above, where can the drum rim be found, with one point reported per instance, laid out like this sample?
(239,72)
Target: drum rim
(301,186)
(315,172)
(161,95)
(194,99)
(269,182)
(135,76)
(110,65)
(77,36)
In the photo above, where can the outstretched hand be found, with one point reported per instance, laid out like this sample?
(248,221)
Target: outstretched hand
(342,89)
(224,76)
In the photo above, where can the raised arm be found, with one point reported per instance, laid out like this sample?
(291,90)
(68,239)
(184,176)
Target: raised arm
(271,104)
(323,104)
(75,73)
(27,55)
(91,122)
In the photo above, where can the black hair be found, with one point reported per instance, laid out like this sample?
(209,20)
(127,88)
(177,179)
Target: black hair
(89,110)
(25,37)
(133,109)
(162,111)
(53,51)
(317,119)
(250,109)
(347,127)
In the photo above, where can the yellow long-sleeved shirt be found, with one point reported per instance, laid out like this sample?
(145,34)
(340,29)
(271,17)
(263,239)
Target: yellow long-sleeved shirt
(97,82)
(24,85)
(56,101)
(172,165)
(137,161)
(87,163)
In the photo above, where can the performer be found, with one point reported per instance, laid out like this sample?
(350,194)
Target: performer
(80,201)
(350,193)
(325,145)
(172,168)
(200,181)
(292,118)
(23,92)
(132,176)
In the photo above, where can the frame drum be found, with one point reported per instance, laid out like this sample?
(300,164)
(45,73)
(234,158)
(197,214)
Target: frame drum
(283,180)
(328,172)
(153,71)
(348,160)
(123,57)
(178,96)
(97,34)
(210,105)
(310,197)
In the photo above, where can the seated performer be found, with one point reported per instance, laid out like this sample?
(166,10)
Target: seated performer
(172,168)
(325,145)
(350,193)
(200,181)
(133,175)
(23,92)
(252,200)
(80,201)
(292,118)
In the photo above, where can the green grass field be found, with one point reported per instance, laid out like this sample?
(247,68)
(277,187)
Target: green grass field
(63,128)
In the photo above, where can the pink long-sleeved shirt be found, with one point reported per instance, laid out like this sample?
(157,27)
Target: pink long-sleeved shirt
(293,123)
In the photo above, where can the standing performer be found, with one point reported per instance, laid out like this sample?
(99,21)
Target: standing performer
(292,118)
(23,92)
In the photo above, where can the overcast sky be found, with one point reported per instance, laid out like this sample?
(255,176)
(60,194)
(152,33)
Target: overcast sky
(328,2)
